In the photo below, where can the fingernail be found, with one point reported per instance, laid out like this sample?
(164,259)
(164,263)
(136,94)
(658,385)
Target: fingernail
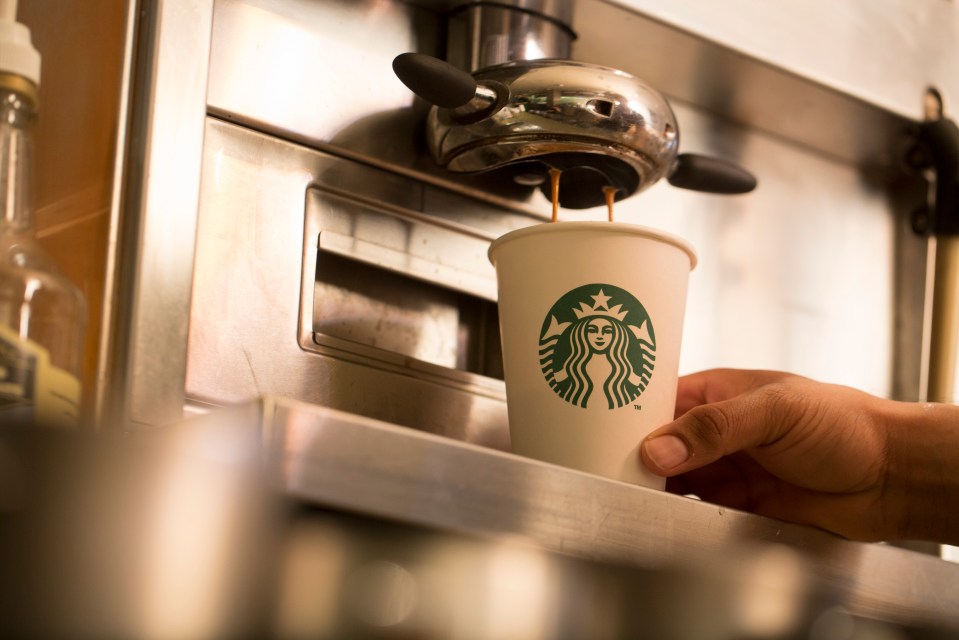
(667,451)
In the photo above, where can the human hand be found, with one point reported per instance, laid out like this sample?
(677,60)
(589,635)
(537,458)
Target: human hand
(817,454)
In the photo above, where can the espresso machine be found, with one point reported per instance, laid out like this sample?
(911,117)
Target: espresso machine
(388,308)
(304,284)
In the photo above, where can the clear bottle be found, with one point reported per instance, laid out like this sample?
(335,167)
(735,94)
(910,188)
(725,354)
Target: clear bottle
(42,314)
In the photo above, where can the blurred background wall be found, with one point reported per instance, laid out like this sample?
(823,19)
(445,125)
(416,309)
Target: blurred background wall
(81,44)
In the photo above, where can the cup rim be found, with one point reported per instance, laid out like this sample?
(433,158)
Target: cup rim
(618,228)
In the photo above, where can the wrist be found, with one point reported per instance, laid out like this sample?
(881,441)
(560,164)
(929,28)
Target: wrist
(922,475)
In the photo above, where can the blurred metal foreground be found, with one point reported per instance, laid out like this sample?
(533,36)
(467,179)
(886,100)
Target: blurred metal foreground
(282,519)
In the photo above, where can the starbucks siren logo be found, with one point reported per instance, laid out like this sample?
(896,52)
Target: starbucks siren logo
(597,343)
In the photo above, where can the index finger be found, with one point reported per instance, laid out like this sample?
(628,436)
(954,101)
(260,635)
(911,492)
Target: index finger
(716,385)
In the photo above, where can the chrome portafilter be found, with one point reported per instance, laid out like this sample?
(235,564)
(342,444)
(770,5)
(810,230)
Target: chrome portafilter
(600,126)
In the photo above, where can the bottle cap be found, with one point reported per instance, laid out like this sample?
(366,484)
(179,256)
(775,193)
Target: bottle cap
(17,53)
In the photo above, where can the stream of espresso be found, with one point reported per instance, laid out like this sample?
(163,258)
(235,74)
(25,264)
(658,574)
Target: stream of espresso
(554,182)
(608,191)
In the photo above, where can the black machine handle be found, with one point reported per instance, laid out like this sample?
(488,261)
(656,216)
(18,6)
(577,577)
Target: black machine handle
(934,150)
(434,80)
(712,175)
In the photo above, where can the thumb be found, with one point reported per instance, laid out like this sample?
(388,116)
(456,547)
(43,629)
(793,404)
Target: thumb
(710,431)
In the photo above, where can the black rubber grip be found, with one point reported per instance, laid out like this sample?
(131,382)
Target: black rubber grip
(434,80)
(712,175)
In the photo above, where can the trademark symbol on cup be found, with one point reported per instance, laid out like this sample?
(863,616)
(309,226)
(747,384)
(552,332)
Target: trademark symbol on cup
(638,407)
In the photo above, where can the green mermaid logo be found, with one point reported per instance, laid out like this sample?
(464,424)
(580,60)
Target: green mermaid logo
(589,343)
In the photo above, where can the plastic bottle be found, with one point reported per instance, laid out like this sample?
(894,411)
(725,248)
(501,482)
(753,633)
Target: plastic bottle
(42,314)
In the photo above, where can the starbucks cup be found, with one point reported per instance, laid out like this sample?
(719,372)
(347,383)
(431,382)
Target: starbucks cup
(591,317)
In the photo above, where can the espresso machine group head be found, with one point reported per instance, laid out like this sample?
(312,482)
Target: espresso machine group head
(521,114)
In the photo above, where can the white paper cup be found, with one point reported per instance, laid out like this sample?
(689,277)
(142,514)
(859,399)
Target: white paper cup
(591,317)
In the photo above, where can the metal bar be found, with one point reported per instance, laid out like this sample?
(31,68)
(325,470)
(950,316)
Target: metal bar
(944,332)
(144,365)
(109,386)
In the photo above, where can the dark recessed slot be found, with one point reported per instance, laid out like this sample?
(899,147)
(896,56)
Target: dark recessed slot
(397,314)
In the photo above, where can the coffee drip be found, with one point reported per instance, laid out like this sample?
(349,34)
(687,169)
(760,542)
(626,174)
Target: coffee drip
(609,193)
(554,175)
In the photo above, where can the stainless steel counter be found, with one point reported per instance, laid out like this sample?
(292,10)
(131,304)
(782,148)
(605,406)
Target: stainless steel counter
(338,460)
(281,519)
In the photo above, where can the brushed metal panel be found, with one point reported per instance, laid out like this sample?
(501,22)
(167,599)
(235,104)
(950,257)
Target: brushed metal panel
(319,69)
(252,312)
(724,76)
(882,52)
